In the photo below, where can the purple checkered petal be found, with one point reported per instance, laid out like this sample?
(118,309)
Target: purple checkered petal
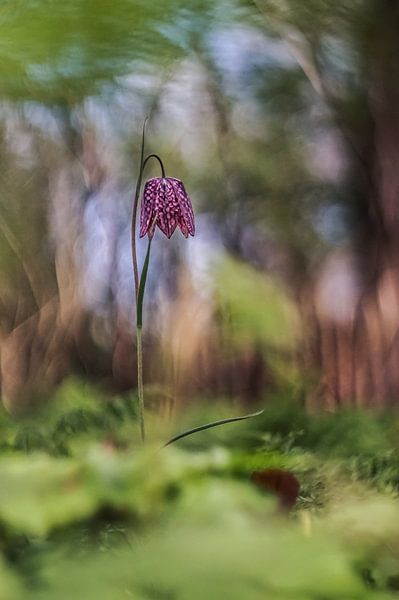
(186,209)
(183,227)
(166,208)
(147,213)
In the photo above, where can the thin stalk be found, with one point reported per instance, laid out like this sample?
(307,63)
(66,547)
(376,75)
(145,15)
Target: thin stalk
(139,337)
(140,388)
(135,207)
(139,285)
(184,434)
(143,279)
(158,159)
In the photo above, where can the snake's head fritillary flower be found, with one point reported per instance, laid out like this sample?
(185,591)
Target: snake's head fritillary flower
(166,204)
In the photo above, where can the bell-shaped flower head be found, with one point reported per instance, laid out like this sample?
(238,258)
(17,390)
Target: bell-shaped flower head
(166,204)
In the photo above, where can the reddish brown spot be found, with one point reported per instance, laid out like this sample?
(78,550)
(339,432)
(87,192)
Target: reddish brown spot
(281,483)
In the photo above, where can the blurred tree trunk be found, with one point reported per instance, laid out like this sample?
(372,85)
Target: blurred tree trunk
(384,194)
(368,345)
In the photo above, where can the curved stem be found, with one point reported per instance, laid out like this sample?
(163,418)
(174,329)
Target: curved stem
(184,434)
(158,159)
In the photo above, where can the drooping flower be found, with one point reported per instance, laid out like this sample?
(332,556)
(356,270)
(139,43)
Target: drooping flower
(166,204)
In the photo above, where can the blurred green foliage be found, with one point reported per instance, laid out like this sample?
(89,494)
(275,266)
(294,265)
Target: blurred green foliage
(255,307)
(98,516)
(60,53)
(256,310)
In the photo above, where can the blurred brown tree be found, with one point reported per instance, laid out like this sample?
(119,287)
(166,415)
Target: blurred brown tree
(349,51)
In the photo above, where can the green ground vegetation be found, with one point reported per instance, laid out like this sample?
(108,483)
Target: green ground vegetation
(86,511)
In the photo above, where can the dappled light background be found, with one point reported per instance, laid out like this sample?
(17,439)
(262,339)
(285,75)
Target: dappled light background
(282,120)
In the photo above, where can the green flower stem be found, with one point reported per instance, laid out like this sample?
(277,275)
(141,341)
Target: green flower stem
(139,337)
(143,279)
(140,389)
(139,285)
(134,216)
(158,159)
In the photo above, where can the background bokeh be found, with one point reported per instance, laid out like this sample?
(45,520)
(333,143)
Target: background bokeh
(282,119)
